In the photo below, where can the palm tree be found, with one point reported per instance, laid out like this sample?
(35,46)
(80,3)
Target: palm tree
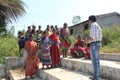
(10,10)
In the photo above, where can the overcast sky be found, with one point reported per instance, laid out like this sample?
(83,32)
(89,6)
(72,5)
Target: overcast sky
(56,12)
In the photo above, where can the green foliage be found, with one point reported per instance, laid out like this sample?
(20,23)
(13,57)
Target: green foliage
(73,39)
(113,47)
(86,34)
(8,47)
(110,34)
(10,10)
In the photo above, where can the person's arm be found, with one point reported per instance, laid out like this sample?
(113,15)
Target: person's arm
(36,48)
(92,34)
(26,48)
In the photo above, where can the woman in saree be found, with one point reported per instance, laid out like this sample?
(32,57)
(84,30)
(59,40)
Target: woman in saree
(46,56)
(55,49)
(78,50)
(32,61)
(66,42)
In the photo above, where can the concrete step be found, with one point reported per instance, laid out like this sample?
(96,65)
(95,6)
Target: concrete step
(108,69)
(110,56)
(3,79)
(62,74)
(19,74)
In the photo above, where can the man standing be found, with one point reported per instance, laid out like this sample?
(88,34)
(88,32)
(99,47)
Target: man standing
(95,43)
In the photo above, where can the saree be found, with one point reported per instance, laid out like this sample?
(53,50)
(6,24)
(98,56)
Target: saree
(46,56)
(55,49)
(66,41)
(32,61)
(77,50)
(87,50)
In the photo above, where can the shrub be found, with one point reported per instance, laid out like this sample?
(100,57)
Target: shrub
(110,34)
(110,40)
(73,39)
(8,47)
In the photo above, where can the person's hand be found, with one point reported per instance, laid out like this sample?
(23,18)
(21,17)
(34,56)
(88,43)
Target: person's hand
(88,40)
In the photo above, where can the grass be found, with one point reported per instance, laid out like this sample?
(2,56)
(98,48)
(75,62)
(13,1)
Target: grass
(111,39)
(8,47)
(113,47)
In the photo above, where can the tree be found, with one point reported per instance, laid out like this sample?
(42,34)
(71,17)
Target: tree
(10,10)
(76,19)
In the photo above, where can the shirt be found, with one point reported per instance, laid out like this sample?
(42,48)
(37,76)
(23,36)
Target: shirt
(95,32)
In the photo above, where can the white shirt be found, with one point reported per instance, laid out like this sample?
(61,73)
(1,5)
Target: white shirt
(95,32)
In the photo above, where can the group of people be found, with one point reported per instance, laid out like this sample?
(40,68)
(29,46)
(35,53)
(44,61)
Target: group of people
(53,42)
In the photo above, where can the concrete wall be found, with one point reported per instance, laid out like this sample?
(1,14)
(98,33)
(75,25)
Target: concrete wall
(13,62)
(85,66)
(2,70)
(107,56)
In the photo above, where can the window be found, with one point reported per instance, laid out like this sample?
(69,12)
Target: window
(86,27)
(71,31)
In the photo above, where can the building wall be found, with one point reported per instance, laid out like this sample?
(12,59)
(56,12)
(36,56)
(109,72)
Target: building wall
(79,29)
(109,21)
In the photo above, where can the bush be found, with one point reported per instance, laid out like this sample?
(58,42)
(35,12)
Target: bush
(73,39)
(110,40)
(8,47)
(113,47)
(110,34)
(86,34)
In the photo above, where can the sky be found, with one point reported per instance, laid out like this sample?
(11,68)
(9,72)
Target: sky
(57,12)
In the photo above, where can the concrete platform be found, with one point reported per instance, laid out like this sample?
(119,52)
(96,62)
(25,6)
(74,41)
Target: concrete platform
(19,74)
(62,74)
(2,71)
(74,69)
(108,69)
(3,79)
(110,56)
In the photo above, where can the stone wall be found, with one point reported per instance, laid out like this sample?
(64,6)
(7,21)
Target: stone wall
(2,70)
(13,62)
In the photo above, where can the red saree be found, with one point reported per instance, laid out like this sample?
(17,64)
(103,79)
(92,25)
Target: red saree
(32,62)
(78,46)
(55,49)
